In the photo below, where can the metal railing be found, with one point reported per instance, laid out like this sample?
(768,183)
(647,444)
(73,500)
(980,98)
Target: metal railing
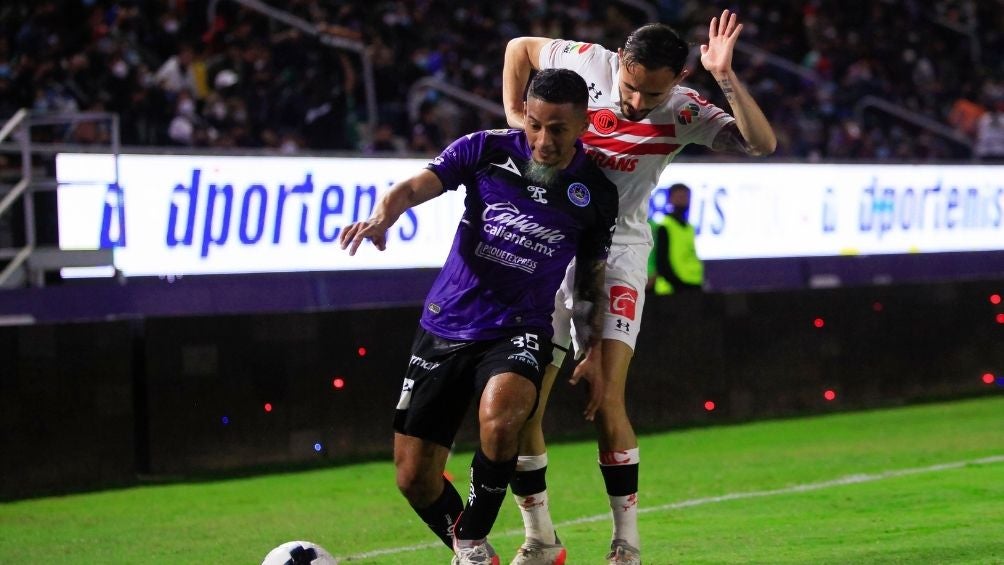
(421,86)
(308,28)
(912,117)
(20,125)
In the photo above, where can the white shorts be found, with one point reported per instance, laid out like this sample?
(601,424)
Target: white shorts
(626,275)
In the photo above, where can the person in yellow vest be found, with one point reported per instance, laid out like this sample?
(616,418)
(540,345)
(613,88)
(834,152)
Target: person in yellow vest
(674,258)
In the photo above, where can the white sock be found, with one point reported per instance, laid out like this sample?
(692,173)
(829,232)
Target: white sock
(468,543)
(624,509)
(536,517)
(535,508)
(625,513)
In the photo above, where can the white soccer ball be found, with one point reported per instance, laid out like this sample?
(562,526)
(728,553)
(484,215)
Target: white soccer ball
(299,553)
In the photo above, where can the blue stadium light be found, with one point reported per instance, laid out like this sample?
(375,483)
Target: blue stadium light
(225,420)
(317,447)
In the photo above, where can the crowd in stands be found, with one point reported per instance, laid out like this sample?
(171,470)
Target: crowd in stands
(207,73)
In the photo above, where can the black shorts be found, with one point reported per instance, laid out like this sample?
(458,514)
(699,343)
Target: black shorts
(443,375)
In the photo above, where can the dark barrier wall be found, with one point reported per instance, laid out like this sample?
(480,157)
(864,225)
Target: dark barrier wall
(66,407)
(92,405)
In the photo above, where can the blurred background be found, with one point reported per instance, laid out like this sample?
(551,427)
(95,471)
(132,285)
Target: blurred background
(173,175)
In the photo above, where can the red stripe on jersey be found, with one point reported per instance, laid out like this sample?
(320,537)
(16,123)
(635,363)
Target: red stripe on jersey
(642,130)
(627,147)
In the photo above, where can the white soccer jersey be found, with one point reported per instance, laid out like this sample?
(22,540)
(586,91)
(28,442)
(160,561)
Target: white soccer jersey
(633,153)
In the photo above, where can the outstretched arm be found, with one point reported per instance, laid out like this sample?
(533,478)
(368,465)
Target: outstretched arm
(521,57)
(406,194)
(752,133)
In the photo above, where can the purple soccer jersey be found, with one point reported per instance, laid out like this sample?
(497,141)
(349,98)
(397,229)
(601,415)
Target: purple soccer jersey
(516,238)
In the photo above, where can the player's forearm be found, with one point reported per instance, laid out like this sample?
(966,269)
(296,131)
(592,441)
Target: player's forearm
(589,291)
(402,196)
(750,119)
(515,74)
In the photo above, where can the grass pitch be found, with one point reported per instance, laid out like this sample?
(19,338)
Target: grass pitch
(921,484)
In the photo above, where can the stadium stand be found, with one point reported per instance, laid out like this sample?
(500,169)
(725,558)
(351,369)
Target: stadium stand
(217,74)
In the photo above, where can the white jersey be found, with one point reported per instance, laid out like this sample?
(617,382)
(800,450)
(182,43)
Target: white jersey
(633,154)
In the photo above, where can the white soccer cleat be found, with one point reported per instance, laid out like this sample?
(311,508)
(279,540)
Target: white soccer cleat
(481,554)
(536,552)
(623,553)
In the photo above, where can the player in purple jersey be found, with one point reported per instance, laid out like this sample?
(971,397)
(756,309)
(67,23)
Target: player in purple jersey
(534,202)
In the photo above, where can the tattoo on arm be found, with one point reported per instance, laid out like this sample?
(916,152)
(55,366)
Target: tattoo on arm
(731,140)
(590,289)
(728,90)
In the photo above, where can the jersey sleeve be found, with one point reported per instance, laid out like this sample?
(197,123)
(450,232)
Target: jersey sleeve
(706,119)
(457,163)
(564,54)
(596,241)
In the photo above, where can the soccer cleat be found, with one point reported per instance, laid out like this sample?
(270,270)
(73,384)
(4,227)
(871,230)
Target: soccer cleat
(481,554)
(536,552)
(623,553)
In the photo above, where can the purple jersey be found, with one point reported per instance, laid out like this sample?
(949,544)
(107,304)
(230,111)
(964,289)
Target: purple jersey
(515,239)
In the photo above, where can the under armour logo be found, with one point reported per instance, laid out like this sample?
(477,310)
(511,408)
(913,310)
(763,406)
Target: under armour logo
(594,92)
(509,166)
(537,193)
(623,326)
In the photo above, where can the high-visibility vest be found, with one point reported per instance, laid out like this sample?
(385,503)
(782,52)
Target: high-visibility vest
(682,256)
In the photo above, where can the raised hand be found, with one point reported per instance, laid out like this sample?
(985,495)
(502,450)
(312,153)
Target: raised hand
(716,55)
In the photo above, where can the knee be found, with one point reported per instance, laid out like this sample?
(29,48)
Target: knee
(421,488)
(500,436)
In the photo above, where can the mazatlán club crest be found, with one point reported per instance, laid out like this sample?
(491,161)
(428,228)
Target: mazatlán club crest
(578,194)
(688,113)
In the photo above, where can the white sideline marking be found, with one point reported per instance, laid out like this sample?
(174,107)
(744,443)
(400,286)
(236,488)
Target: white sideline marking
(807,487)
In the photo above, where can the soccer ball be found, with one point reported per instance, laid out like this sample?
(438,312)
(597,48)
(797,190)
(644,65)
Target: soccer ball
(299,553)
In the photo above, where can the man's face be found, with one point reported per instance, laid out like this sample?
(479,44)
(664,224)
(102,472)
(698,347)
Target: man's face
(680,199)
(643,89)
(551,130)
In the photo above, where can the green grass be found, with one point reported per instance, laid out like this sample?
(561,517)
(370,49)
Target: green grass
(944,515)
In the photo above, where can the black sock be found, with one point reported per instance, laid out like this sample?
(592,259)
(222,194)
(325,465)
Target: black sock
(489,480)
(621,480)
(441,515)
(525,483)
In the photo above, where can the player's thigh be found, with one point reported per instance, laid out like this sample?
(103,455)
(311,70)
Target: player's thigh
(519,360)
(624,282)
(437,389)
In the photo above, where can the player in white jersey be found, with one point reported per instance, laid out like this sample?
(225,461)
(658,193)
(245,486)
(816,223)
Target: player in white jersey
(640,118)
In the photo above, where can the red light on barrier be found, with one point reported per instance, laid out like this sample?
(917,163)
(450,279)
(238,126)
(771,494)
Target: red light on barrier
(268,406)
(988,379)
(362,352)
(338,383)
(1000,318)
(877,306)
(995,299)
(829,395)
(709,406)
(818,322)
